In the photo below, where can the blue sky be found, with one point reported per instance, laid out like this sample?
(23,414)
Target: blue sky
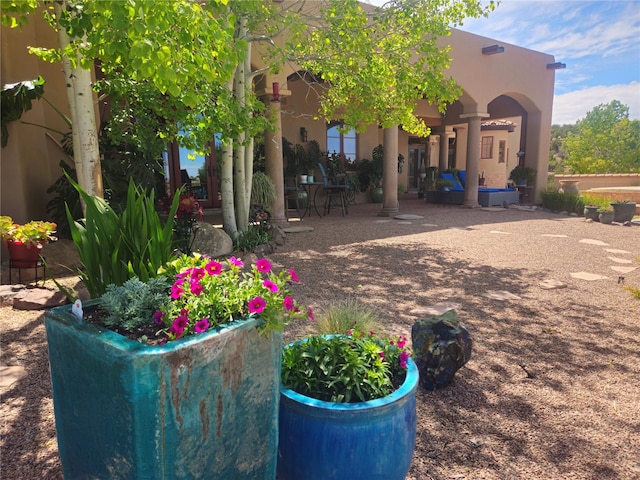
(599,41)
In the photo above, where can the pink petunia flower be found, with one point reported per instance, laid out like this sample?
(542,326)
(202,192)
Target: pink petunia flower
(201,325)
(269,285)
(311,315)
(403,357)
(157,317)
(381,355)
(213,268)
(176,291)
(402,342)
(196,287)
(236,262)
(288,303)
(294,275)
(197,273)
(257,305)
(263,265)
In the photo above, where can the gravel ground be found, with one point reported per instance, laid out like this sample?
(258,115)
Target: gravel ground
(551,390)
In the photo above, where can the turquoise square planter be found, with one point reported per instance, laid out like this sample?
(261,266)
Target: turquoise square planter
(203,407)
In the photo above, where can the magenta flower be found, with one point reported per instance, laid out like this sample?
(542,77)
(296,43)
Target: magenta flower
(213,268)
(294,275)
(288,303)
(403,357)
(201,325)
(257,305)
(157,317)
(236,262)
(402,342)
(381,355)
(176,291)
(178,326)
(197,273)
(269,285)
(263,265)
(311,315)
(196,287)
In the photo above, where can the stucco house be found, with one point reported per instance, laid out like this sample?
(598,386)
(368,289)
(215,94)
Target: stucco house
(502,119)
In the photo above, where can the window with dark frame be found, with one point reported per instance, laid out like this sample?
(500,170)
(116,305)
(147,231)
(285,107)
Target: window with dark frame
(502,147)
(487,147)
(342,143)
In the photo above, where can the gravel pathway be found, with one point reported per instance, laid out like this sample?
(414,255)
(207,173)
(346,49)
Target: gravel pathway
(551,390)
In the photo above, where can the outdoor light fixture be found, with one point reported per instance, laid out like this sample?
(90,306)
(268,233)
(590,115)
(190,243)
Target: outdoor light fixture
(276,92)
(303,134)
(492,49)
(556,66)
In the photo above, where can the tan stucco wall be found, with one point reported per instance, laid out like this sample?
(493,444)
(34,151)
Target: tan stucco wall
(29,162)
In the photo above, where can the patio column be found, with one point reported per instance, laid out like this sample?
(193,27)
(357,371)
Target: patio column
(474,121)
(390,172)
(443,163)
(274,164)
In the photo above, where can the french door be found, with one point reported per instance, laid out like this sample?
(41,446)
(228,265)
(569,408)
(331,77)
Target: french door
(197,173)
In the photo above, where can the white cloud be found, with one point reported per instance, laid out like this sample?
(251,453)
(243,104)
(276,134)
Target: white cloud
(570,107)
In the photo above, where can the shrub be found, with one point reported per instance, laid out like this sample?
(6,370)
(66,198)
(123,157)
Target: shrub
(347,314)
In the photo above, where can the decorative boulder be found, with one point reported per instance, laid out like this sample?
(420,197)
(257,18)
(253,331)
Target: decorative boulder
(441,346)
(212,241)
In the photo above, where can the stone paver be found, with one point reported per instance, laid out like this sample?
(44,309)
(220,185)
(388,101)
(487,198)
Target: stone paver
(408,216)
(436,309)
(591,241)
(9,375)
(620,260)
(623,269)
(615,250)
(554,235)
(499,232)
(587,276)
(297,229)
(552,284)
(500,295)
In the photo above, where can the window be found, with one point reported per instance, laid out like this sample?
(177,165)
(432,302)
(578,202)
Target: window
(487,147)
(502,147)
(342,143)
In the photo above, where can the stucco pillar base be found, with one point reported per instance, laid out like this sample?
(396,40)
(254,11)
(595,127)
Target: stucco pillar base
(388,211)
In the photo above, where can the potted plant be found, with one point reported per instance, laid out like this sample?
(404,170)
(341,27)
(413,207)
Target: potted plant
(25,242)
(347,408)
(591,212)
(606,215)
(522,176)
(180,379)
(624,210)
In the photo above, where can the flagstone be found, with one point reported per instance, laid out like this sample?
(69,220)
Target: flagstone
(588,276)
(297,229)
(552,284)
(554,235)
(615,250)
(408,216)
(620,260)
(501,295)
(436,309)
(623,269)
(500,232)
(594,242)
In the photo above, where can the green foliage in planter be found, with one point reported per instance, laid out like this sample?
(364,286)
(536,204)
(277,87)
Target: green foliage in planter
(64,195)
(346,314)
(344,368)
(114,248)
(595,200)
(132,304)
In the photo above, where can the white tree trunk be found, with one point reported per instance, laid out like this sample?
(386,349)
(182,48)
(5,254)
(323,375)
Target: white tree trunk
(86,151)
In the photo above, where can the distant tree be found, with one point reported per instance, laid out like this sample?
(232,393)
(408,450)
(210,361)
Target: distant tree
(605,141)
(557,150)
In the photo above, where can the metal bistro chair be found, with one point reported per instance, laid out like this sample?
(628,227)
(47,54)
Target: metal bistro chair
(335,190)
(292,195)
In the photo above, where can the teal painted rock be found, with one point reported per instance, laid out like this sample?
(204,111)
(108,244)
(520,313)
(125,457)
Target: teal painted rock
(441,346)
(203,407)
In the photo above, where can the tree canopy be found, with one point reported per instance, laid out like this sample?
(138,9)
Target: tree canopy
(184,66)
(604,141)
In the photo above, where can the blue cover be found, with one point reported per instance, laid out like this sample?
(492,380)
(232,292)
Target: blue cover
(462,175)
(456,185)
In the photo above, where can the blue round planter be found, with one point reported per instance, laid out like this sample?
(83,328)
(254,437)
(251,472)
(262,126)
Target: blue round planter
(371,440)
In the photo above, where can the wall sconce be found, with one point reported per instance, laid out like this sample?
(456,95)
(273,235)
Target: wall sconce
(303,134)
(556,66)
(520,154)
(276,92)
(492,49)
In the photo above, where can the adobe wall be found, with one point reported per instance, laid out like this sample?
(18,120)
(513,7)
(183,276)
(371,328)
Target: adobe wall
(596,180)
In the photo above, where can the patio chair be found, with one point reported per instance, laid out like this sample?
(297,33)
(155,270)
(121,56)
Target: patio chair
(292,195)
(335,190)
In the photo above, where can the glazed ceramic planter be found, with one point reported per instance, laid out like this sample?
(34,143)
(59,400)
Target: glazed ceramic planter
(376,194)
(591,213)
(624,212)
(24,255)
(371,440)
(205,406)
(606,217)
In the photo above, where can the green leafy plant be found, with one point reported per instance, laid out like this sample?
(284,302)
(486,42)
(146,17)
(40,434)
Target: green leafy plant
(206,293)
(520,174)
(36,232)
(131,305)
(263,191)
(442,183)
(356,367)
(114,248)
(185,220)
(258,233)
